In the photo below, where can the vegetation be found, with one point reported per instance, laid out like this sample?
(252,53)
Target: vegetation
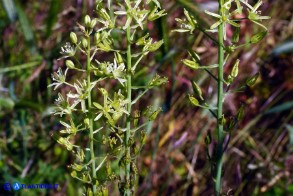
(175,153)
(83,109)
(224,17)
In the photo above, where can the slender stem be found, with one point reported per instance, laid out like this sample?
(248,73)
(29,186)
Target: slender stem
(88,63)
(218,183)
(128,121)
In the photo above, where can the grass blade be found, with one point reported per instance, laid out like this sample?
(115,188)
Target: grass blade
(19,67)
(10,9)
(52,15)
(26,27)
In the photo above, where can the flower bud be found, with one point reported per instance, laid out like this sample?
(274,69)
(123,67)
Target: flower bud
(93,23)
(69,64)
(97,38)
(87,21)
(73,37)
(118,58)
(76,167)
(84,43)
(73,174)
(142,41)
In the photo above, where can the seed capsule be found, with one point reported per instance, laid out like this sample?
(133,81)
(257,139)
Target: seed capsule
(193,100)
(208,139)
(197,90)
(252,80)
(191,64)
(155,46)
(235,37)
(234,71)
(258,37)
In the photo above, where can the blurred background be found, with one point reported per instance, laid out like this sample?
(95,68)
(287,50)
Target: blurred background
(259,157)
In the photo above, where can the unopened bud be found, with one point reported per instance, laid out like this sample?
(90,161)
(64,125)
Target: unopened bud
(84,43)
(69,64)
(93,23)
(118,58)
(73,37)
(97,38)
(87,21)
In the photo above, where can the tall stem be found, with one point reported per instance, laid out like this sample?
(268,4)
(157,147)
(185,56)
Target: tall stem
(88,63)
(219,154)
(128,120)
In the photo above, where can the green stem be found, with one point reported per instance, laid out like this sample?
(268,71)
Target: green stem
(219,154)
(88,63)
(128,121)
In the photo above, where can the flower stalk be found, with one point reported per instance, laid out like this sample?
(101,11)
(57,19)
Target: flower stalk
(128,120)
(219,160)
(224,18)
(119,127)
(91,126)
